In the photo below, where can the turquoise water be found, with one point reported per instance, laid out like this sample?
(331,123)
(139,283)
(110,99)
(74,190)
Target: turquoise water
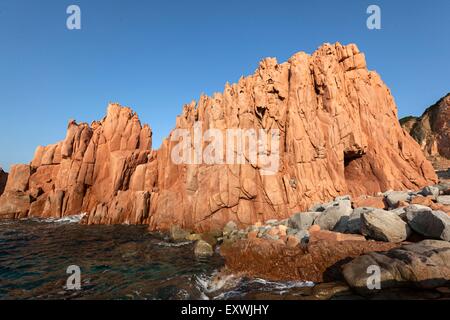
(116,262)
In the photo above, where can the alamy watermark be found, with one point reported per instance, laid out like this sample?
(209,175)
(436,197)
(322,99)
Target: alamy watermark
(374,20)
(374,280)
(73,21)
(74,280)
(259,148)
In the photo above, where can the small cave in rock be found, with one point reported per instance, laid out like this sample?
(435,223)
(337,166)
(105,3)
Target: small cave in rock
(350,156)
(352,166)
(260,111)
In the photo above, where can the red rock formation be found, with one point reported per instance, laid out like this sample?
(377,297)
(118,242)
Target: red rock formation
(272,260)
(339,134)
(432,132)
(91,169)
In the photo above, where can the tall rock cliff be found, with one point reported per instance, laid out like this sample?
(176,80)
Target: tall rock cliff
(432,132)
(338,134)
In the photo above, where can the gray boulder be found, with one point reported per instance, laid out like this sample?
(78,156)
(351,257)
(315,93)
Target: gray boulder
(433,224)
(401,212)
(384,225)
(321,207)
(203,249)
(354,220)
(394,197)
(177,233)
(302,220)
(435,243)
(272,222)
(335,217)
(430,191)
(414,208)
(423,265)
(262,230)
(443,187)
(445,200)
(291,231)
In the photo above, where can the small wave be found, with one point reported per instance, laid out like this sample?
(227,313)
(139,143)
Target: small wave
(216,281)
(173,244)
(273,285)
(226,286)
(68,219)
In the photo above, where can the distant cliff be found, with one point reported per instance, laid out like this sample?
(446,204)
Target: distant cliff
(432,132)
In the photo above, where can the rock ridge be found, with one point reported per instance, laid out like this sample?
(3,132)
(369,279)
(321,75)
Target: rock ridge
(432,131)
(339,134)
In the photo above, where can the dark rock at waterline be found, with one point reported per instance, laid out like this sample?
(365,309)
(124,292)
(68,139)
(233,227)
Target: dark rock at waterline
(335,216)
(317,262)
(424,265)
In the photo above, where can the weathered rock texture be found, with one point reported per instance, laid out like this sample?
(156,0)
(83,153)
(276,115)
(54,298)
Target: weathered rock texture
(3,178)
(432,132)
(339,135)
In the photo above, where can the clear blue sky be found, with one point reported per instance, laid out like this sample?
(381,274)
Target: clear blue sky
(154,56)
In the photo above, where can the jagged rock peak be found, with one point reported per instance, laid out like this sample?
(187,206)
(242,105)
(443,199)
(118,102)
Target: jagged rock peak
(338,134)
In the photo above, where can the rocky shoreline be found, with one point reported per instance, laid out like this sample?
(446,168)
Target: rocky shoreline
(405,233)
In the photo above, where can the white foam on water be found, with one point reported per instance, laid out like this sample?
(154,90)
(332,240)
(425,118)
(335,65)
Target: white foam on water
(68,219)
(225,286)
(216,283)
(71,219)
(173,244)
(271,285)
